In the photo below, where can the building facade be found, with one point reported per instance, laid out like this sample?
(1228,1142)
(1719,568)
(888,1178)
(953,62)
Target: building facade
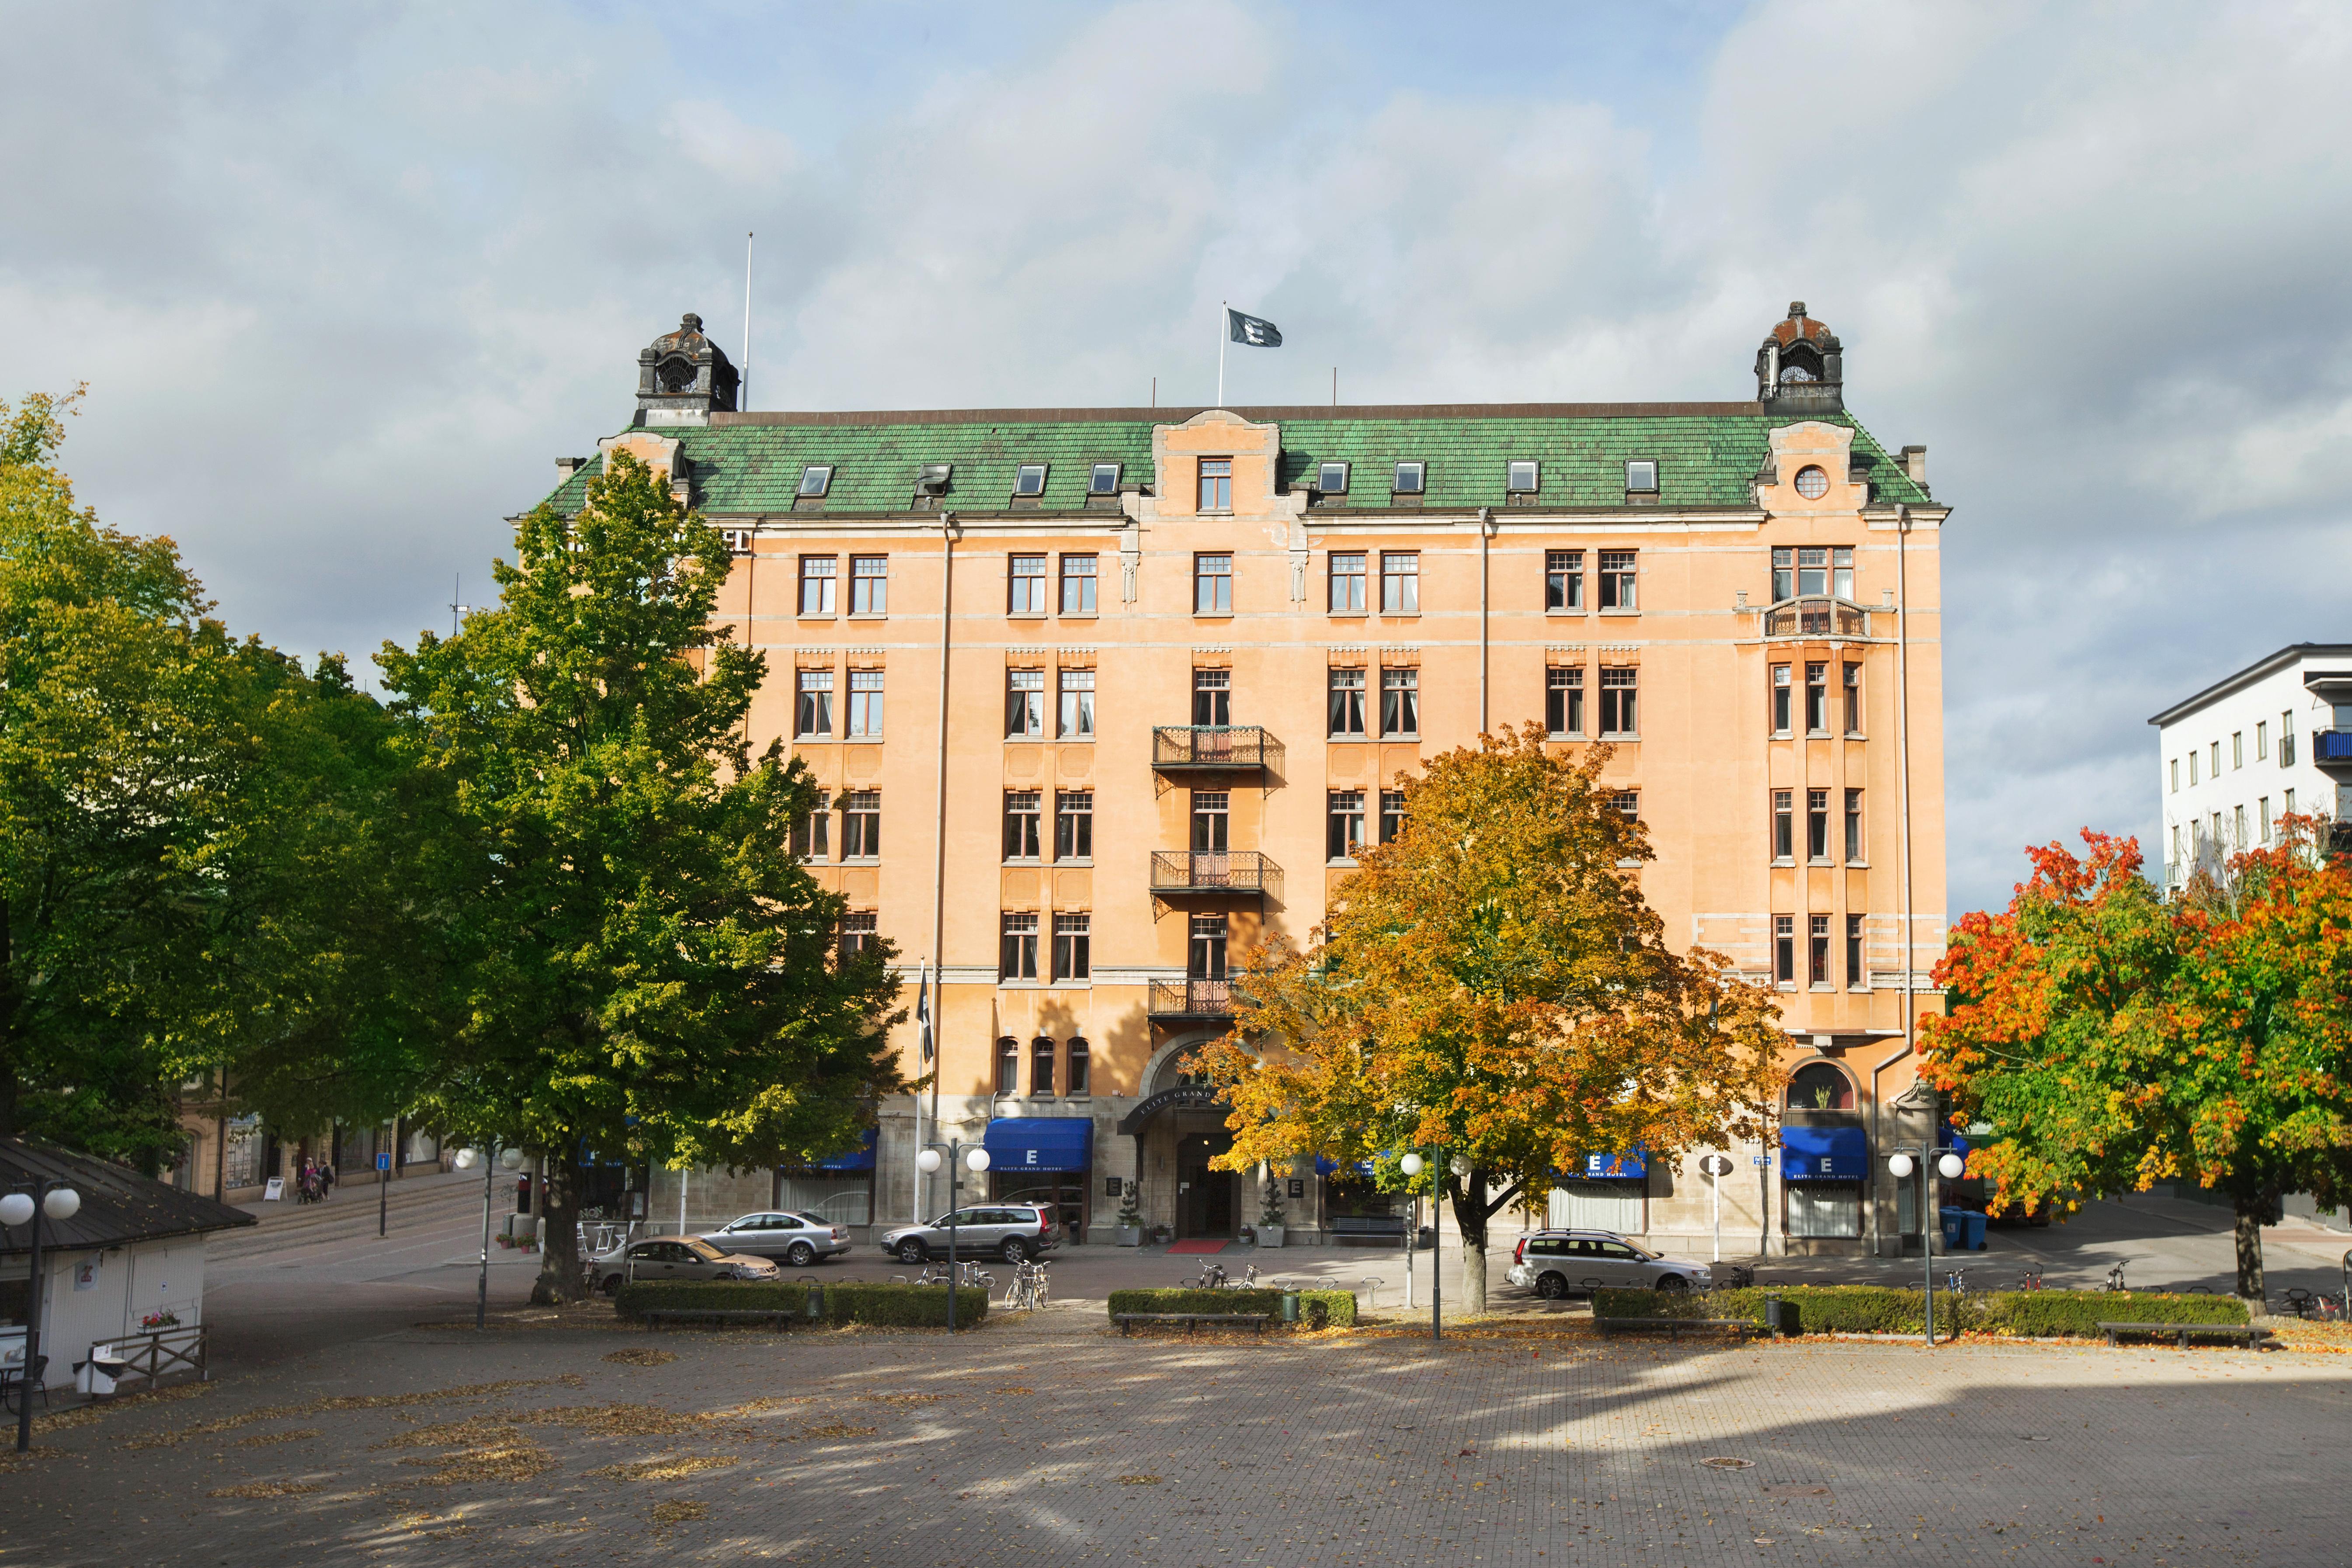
(2275,738)
(1100,696)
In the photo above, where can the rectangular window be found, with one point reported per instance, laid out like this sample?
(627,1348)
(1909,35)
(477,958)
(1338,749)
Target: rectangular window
(1212,699)
(870,585)
(1617,573)
(1563,580)
(816,584)
(2217,759)
(1784,574)
(1026,594)
(1842,571)
(1817,699)
(2239,841)
(2238,749)
(1617,691)
(1077,705)
(1041,1067)
(1343,824)
(2263,741)
(1853,854)
(1212,585)
(1400,583)
(1103,480)
(866,704)
(1029,480)
(1008,1064)
(1331,478)
(2287,746)
(2176,776)
(1073,960)
(1206,960)
(859,932)
(1856,976)
(1784,949)
(1817,825)
(2290,795)
(1347,584)
(2192,770)
(1017,960)
(1818,949)
(1216,484)
(1077,585)
(1784,825)
(1401,702)
(1641,478)
(813,720)
(1074,825)
(1854,699)
(1781,694)
(1211,821)
(861,825)
(1627,803)
(1391,815)
(1564,701)
(1080,1057)
(1347,701)
(1023,826)
(1409,478)
(816,480)
(813,834)
(1521,479)
(1824,1210)
(1024,702)
(2262,810)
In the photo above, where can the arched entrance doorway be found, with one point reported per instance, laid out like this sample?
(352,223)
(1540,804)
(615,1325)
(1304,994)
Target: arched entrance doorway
(1204,1198)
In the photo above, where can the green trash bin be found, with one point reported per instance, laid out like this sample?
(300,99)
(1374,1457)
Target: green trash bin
(1290,1306)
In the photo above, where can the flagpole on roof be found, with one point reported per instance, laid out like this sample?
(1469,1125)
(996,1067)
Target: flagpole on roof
(744,381)
(1224,324)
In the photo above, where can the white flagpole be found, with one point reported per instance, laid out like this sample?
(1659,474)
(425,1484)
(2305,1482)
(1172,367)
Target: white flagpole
(1225,331)
(923,1050)
(743,383)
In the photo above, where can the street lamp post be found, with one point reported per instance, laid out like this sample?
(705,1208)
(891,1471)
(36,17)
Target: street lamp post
(58,1201)
(958,1157)
(1717,1168)
(1948,1164)
(511,1158)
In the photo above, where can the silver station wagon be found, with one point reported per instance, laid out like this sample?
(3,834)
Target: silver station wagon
(1557,1263)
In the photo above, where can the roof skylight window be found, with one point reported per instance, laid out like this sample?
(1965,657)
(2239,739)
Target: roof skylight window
(1641,477)
(1410,478)
(1103,480)
(816,479)
(1029,479)
(932,478)
(1331,478)
(1523,477)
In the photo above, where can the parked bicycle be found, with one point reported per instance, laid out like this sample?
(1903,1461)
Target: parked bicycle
(2030,1280)
(1956,1281)
(1027,1291)
(1736,1277)
(972,1276)
(2116,1278)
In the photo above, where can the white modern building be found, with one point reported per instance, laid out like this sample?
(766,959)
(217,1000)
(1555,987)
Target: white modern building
(2272,738)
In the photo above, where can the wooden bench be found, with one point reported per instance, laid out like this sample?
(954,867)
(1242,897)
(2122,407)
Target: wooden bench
(653,1317)
(1674,1326)
(2180,1331)
(1127,1321)
(1367,1231)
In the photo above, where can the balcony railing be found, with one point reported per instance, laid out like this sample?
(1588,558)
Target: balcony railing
(1191,999)
(1816,618)
(1180,748)
(1198,871)
(2330,748)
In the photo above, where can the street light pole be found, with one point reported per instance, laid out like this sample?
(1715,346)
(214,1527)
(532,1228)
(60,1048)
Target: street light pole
(1902,1163)
(958,1158)
(56,1199)
(513,1159)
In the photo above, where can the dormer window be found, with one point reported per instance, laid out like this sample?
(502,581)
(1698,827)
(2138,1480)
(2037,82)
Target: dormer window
(1410,478)
(1641,477)
(816,480)
(1812,482)
(1103,480)
(1029,480)
(931,479)
(1523,478)
(1331,478)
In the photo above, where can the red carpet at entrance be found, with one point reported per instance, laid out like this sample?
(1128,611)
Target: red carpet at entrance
(1199,1246)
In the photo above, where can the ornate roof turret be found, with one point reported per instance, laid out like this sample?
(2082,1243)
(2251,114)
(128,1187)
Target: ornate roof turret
(1800,370)
(684,377)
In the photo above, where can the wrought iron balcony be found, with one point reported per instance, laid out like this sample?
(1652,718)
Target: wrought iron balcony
(2332,748)
(1177,1000)
(1816,618)
(1178,872)
(1210,748)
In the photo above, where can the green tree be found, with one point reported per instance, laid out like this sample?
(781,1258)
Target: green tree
(2115,1039)
(1491,987)
(644,968)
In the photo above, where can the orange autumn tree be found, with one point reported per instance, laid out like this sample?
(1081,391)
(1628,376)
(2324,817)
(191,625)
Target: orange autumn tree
(2115,1040)
(1491,987)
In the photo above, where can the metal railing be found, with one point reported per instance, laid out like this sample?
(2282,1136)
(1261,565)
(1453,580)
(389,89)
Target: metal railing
(1816,618)
(1191,999)
(1203,871)
(1209,745)
(2329,746)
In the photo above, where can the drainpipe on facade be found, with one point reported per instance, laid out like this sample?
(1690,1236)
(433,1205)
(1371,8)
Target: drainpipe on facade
(938,855)
(1485,532)
(1903,781)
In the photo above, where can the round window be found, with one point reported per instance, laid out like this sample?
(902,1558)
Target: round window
(1812,483)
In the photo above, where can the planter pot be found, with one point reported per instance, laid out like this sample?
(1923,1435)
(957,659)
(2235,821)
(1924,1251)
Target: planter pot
(1130,1235)
(1269,1235)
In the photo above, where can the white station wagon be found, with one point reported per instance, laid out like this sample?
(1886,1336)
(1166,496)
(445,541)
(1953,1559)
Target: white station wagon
(1562,1262)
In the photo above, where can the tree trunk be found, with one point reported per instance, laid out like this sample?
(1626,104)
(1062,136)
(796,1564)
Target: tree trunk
(1470,1217)
(2254,1209)
(560,1278)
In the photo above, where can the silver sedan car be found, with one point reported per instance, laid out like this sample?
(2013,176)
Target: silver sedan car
(782,1236)
(676,1257)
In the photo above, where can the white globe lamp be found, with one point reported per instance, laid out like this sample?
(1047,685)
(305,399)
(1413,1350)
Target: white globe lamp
(1411,1164)
(1901,1164)
(928,1161)
(15,1209)
(62,1204)
(468,1159)
(976,1161)
(511,1159)
(1951,1166)
(1460,1167)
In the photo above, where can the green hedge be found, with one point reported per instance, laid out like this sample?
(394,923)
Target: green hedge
(1877,1309)
(1315,1307)
(893,1306)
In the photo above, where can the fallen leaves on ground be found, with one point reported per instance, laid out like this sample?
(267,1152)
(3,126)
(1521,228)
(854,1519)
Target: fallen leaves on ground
(269,1489)
(263,1440)
(639,1356)
(678,1511)
(1012,1391)
(669,1470)
(1139,1480)
(348,1402)
(837,1429)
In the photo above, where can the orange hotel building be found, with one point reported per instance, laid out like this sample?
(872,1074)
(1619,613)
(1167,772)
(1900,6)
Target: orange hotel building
(1099,695)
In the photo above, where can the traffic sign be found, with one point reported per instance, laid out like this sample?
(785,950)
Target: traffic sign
(1716,1165)
(384,1161)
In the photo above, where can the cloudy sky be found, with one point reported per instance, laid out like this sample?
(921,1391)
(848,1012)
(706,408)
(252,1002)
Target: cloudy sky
(345,279)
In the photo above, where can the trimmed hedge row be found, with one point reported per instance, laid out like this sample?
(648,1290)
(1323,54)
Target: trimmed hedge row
(1878,1309)
(887,1306)
(1315,1307)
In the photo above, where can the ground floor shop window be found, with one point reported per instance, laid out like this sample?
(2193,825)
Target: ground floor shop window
(241,1165)
(1613,1205)
(1824,1210)
(1063,1191)
(839,1197)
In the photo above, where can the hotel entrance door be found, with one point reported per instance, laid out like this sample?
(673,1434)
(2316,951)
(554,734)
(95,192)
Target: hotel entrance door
(1204,1198)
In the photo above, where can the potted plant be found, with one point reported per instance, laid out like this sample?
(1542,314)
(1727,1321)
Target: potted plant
(1270,1216)
(1131,1218)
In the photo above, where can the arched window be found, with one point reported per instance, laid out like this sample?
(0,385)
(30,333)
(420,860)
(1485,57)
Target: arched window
(1008,1066)
(1821,1086)
(1041,1066)
(1080,1062)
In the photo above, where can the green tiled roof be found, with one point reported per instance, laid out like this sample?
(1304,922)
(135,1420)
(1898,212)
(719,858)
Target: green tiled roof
(1706,454)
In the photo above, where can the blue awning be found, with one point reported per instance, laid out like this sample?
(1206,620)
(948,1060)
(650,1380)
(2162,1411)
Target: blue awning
(1331,1168)
(1627,1167)
(1825,1154)
(1041,1143)
(858,1159)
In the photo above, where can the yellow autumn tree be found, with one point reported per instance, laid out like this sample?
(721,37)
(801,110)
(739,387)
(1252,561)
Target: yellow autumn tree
(1490,988)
